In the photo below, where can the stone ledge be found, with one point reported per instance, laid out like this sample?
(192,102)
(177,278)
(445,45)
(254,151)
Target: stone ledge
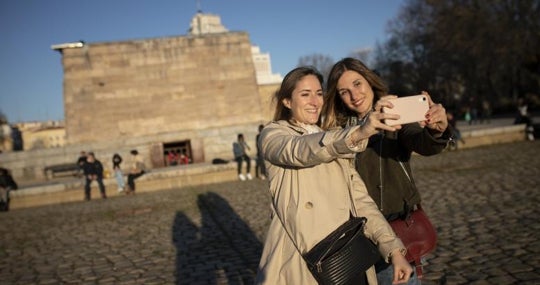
(157,179)
(493,135)
(206,173)
(495,130)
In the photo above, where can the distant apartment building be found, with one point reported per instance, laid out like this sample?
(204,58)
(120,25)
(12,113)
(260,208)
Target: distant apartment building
(44,137)
(263,67)
(32,135)
(40,135)
(202,24)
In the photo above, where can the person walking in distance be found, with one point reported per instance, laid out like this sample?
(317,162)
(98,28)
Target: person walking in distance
(240,155)
(93,171)
(524,117)
(260,168)
(7,184)
(456,133)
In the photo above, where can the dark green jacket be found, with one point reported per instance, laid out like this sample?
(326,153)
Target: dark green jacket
(398,193)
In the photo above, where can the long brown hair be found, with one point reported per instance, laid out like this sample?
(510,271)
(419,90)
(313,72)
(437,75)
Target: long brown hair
(335,112)
(287,87)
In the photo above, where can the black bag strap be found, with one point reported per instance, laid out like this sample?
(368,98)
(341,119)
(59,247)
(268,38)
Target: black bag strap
(359,222)
(285,228)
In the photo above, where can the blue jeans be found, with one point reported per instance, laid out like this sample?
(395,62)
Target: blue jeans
(239,161)
(385,276)
(131,180)
(87,188)
(119,178)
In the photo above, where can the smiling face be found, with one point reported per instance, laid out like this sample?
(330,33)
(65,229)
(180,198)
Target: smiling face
(306,100)
(355,91)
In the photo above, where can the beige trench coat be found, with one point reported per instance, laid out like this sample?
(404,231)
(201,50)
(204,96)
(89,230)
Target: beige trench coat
(310,176)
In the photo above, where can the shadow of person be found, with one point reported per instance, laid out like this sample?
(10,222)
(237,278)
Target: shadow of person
(223,250)
(185,237)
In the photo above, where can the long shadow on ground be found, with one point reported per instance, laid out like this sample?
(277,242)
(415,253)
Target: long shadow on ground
(223,250)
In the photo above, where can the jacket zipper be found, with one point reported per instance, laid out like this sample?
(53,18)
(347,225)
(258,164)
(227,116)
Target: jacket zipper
(404,170)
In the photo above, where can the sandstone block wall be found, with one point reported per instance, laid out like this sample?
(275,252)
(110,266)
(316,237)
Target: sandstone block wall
(114,91)
(217,143)
(145,94)
(266,93)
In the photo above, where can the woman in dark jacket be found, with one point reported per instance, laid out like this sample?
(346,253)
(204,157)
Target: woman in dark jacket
(354,94)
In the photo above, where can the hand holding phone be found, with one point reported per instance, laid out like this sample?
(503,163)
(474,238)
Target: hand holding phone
(410,109)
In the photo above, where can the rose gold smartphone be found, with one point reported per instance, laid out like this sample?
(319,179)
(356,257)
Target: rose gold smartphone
(410,109)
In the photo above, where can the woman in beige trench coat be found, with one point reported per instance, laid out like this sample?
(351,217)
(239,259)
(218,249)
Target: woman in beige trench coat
(311,175)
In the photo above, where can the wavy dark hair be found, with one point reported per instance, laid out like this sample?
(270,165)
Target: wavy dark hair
(334,111)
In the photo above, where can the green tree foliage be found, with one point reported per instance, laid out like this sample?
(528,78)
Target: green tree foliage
(463,49)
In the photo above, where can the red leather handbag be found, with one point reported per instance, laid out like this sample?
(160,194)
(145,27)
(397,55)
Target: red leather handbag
(415,231)
(418,235)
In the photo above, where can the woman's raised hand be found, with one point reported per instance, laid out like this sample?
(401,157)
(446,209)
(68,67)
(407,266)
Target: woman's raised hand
(374,123)
(436,118)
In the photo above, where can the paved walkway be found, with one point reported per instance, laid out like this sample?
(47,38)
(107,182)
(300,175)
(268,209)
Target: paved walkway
(483,201)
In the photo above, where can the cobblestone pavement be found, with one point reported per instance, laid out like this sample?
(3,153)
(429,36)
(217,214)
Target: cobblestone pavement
(483,201)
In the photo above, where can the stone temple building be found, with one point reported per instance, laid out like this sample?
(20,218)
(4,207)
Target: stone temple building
(191,93)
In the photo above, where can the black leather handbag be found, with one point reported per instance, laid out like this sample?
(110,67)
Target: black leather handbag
(343,256)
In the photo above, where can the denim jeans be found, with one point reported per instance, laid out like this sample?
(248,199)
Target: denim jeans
(87,188)
(385,276)
(239,161)
(260,168)
(131,180)
(119,178)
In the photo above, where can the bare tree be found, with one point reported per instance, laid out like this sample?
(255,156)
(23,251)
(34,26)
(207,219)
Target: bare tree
(323,63)
(463,49)
(3,117)
(362,54)
(3,121)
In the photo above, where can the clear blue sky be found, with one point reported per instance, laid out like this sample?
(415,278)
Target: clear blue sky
(31,74)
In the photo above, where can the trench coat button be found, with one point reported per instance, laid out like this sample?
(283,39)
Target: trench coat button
(308,205)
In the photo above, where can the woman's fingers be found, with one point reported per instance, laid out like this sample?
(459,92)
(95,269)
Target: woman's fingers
(382,116)
(384,102)
(376,121)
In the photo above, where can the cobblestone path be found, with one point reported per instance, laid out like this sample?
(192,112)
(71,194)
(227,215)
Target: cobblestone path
(483,202)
